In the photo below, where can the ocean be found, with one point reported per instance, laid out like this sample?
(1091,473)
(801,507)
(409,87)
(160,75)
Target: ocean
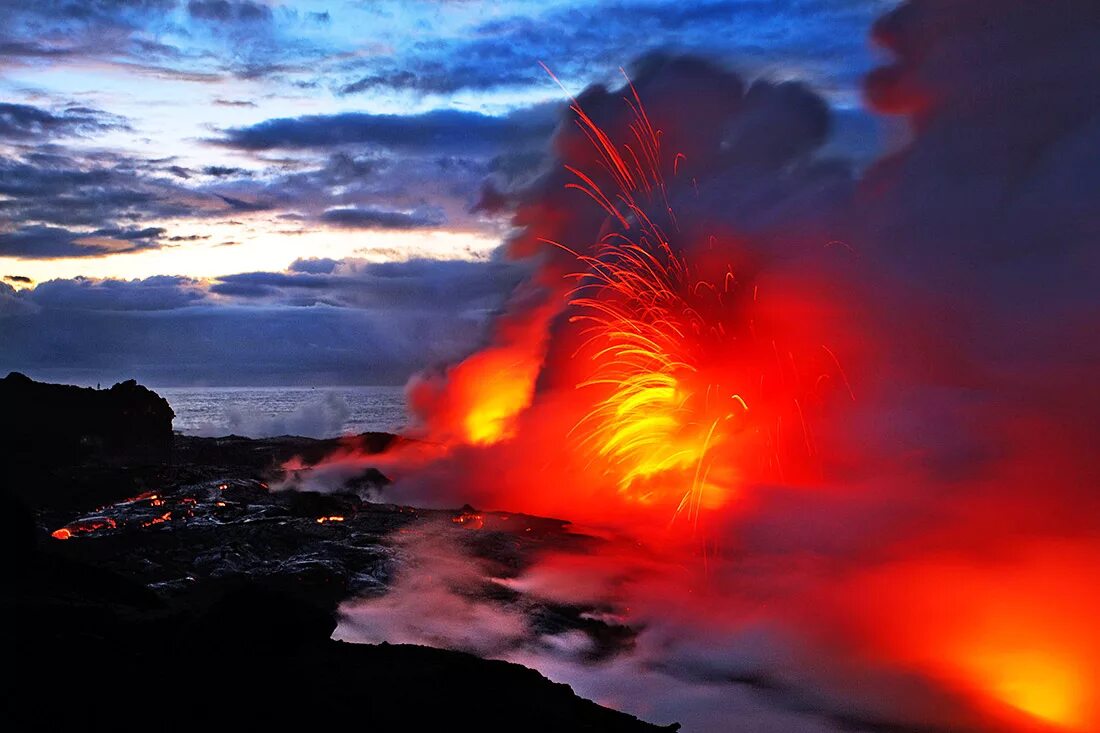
(259,412)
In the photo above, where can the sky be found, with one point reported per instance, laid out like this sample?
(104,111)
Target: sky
(249,192)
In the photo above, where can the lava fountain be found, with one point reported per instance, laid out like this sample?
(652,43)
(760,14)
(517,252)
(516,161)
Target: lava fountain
(686,383)
(923,556)
(649,370)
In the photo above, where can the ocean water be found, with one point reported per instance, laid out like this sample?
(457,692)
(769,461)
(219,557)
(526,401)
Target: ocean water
(259,412)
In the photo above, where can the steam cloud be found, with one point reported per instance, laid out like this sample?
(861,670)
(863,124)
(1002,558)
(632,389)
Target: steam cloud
(938,571)
(324,417)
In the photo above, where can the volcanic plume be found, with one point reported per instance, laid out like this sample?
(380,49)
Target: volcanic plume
(669,360)
(835,433)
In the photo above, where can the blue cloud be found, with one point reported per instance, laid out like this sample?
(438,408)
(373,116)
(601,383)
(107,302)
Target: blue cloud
(437,131)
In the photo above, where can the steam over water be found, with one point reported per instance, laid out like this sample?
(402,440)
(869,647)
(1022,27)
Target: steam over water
(258,412)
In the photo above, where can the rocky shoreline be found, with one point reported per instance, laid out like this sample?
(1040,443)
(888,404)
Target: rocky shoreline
(161,584)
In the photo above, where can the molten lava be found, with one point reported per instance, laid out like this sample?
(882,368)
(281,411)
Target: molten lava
(1018,636)
(495,403)
(479,400)
(166,517)
(84,527)
(470,520)
(688,385)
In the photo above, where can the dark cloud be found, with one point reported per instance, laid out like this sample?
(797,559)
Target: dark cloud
(62,196)
(239,205)
(368,218)
(440,77)
(269,284)
(394,171)
(754,151)
(455,286)
(245,38)
(44,242)
(357,323)
(383,189)
(221,171)
(14,302)
(987,218)
(229,11)
(61,29)
(439,131)
(818,36)
(1006,111)
(315,265)
(158,293)
(25,122)
(18,279)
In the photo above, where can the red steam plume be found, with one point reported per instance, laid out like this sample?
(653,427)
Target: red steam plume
(710,297)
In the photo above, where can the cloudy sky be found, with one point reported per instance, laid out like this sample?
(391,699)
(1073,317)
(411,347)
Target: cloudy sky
(249,191)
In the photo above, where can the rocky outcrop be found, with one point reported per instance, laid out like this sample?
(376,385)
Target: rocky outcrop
(166,587)
(58,424)
(88,647)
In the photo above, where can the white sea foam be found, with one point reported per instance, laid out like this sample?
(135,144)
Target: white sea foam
(258,412)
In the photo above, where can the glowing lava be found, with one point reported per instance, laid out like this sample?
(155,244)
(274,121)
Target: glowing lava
(166,517)
(679,362)
(1020,637)
(84,527)
(470,520)
(1045,684)
(479,400)
(495,402)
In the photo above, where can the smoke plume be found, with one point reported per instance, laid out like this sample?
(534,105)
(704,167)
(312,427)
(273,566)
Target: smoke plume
(899,529)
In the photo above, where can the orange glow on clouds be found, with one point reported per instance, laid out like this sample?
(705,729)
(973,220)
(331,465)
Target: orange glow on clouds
(1020,636)
(674,378)
(671,334)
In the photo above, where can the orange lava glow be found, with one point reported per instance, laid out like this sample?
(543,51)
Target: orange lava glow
(167,516)
(494,403)
(470,520)
(653,368)
(673,394)
(86,527)
(1019,636)
(680,363)
(334,518)
(480,399)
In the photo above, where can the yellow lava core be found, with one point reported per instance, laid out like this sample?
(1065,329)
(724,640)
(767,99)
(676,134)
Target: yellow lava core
(496,401)
(1041,683)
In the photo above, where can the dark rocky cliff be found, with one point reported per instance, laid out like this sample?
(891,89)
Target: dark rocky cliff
(58,424)
(146,596)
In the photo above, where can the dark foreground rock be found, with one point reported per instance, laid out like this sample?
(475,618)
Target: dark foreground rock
(89,649)
(145,595)
(63,424)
